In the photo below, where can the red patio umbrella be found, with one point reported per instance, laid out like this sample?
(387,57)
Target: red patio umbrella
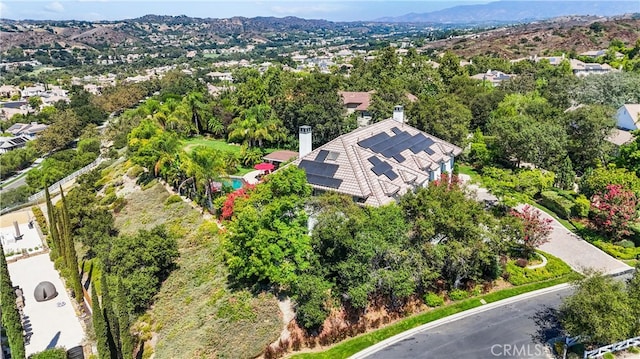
(264,166)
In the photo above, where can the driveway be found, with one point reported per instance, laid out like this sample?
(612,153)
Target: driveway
(564,244)
(578,253)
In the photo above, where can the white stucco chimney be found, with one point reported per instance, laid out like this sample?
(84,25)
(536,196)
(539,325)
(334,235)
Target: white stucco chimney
(305,141)
(398,114)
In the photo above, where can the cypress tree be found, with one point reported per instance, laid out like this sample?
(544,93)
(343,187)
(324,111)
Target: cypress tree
(70,251)
(110,317)
(100,327)
(54,242)
(11,320)
(126,340)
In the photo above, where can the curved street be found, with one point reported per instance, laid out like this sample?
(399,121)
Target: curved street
(515,330)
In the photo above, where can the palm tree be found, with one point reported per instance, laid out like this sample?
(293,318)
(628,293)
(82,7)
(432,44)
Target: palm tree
(196,106)
(204,165)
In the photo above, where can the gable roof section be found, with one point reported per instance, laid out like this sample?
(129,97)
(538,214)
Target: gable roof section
(634,111)
(377,162)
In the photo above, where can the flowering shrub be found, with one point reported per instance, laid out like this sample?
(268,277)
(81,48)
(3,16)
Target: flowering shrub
(613,210)
(227,207)
(536,229)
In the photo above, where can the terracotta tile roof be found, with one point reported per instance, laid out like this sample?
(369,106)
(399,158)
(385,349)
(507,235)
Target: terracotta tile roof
(281,156)
(377,163)
(362,99)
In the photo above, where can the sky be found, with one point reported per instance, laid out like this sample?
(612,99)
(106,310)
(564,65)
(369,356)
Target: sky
(334,10)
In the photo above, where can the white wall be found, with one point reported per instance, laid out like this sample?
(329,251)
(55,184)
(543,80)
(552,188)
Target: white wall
(624,119)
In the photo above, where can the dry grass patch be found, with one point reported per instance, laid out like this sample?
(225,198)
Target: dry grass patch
(196,314)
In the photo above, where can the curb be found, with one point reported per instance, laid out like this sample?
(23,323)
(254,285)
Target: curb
(452,318)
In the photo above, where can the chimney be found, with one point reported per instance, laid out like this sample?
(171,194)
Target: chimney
(305,141)
(398,114)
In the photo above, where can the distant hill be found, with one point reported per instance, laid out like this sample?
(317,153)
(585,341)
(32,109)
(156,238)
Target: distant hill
(510,11)
(565,34)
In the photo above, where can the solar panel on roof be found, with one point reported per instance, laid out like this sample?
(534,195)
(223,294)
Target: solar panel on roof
(374,160)
(391,175)
(396,130)
(322,155)
(324,181)
(367,143)
(398,157)
(319,168)
(381,168)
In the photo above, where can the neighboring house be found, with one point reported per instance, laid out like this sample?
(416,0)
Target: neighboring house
(11,143)
(30,91)
(627,117)
(30,130)
(597,53)
(279,157)
(495,77)
(222,76)
(580,68)
(376,164)
(359,103)
(7,91)
(620,137)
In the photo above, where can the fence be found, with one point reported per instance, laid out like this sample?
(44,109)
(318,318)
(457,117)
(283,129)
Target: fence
(54,187)
(623,345)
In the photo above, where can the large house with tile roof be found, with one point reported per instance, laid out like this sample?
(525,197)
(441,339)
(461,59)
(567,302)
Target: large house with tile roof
(376,164)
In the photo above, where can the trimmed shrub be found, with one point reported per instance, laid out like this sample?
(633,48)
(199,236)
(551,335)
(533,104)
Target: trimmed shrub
(634,350)
(581,206)
(458,294)
(42,222)
(558,204)
(608,356)
(522,262)
(433,300)
(625,243)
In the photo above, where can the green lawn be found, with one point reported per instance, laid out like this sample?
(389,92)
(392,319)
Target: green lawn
(221,145)
(354,345)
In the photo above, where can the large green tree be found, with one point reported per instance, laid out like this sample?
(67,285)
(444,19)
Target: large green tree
(587,129)
(267,238)
(442,116)
(600,311)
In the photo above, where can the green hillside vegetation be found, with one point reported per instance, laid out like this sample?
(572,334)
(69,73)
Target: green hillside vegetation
(196,314)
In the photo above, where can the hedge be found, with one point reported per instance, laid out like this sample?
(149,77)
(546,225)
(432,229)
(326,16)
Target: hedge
(557,203)
(618,251)
(42,222)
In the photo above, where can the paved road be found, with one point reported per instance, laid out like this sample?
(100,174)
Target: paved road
(516,330)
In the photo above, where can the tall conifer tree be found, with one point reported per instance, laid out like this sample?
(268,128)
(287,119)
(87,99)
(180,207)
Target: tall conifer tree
(11,320)
(100,327)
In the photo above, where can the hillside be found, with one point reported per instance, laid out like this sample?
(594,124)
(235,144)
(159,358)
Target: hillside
(563,34)
(196,314)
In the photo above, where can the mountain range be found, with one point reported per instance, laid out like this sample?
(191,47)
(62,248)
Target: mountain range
(510,11)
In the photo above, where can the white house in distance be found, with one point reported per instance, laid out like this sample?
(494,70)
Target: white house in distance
(376,164)
(627,117)
(495,77)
